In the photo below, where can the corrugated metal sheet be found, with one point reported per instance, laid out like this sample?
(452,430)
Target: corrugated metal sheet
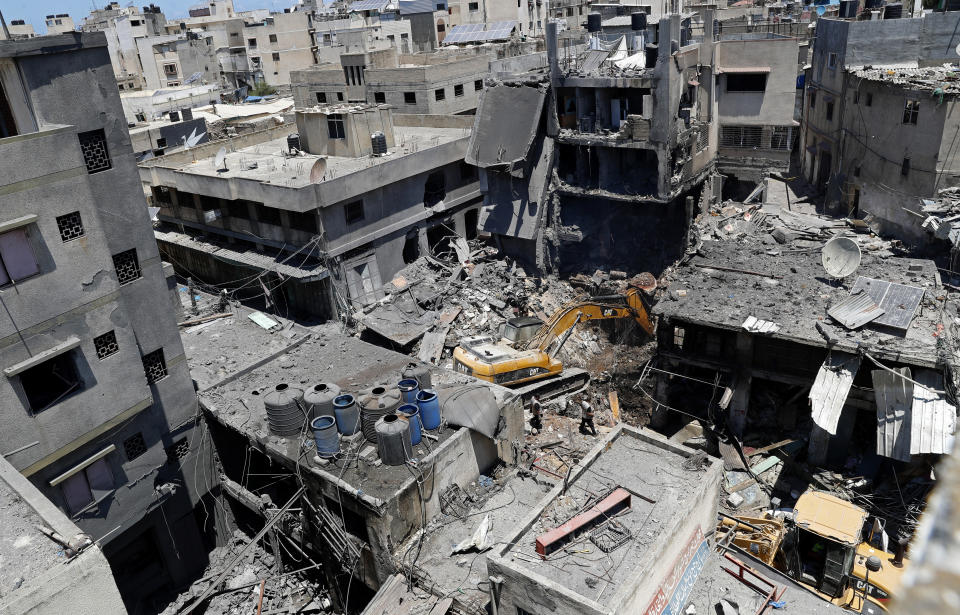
(899,302)
(894,403)
(592,60)
(934,420)
(856,310)
(830,389)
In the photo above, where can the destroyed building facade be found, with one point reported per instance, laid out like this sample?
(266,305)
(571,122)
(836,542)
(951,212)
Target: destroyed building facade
(626,136)
(318,220)
(97,402)
(878,119)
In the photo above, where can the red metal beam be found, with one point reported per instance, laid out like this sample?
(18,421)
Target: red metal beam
(555,539)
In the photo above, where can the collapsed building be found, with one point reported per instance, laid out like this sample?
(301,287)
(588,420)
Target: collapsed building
(316,221)
(626,136)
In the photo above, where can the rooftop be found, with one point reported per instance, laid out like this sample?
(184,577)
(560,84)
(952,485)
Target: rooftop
(25,552)
(665,488)
(945,77)
(729,281)
(268,163)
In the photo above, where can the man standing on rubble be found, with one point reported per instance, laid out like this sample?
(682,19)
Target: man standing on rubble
(586,418)
(536,410)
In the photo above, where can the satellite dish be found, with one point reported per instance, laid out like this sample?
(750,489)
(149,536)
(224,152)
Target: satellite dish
(318,170)
(221,160)
(957,49)
(840,257)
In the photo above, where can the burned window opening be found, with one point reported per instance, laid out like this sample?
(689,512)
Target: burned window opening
(51,382)
(435,189)
(411,247)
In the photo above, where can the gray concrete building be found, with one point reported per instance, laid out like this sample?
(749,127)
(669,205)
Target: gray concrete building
(434,84)
(321,229)
(878,126)
(98,408)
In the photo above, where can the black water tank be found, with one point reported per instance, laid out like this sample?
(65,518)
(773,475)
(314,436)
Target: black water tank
(893,11)
(638,21)
(593,22)
(651,55)
(874,4)
(379,142)
(186,113)
(848,9)
(621,10)
(174,116)
(293,141)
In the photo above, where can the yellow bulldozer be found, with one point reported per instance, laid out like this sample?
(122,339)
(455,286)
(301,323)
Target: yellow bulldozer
(527,348)
(826,548)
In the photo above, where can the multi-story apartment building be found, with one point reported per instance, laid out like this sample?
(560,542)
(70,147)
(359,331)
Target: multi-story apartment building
(122,27)
(879,130)
(98,407)
(59,23)
(17,28)
(278,44)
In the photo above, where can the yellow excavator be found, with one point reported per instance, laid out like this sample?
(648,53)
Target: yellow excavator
(827,548)
(527,348)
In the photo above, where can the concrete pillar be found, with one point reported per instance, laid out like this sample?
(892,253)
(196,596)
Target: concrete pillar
(818,445)
(552,51)
(742,382)
(254,224)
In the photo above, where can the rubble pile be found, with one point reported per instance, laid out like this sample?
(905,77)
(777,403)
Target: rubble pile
(244,589)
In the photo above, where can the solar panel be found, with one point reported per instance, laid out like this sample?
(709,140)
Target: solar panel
(477,32)
(898,301)
(368,5)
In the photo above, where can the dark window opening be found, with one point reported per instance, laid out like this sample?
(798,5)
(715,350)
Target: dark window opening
(106,345)
(303,221)
(813,100)
(905,167)
(154,366)
(747,82)
(435,189)
(911,109)
(340,96)
(353,211)
(411,247)
(51,382)
(252,43)
(458,90)
(17,260)
(83,488)
(134,446)
(440,94)
(177,451)
(830,111)
(471,221)
(410,98)
(127,266)
(273,38)
(855,206)
(70,225)
(8,128)
(321,97)
(379,97)
(268,215)
(869,99)
(468,172)
(478,85)
(161,143)
(856,171)
(335,126)
(856,97)
(275,57)
(473,6)
(238,209)
(93,145)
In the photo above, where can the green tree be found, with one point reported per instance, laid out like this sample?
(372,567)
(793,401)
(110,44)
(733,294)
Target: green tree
(262,89)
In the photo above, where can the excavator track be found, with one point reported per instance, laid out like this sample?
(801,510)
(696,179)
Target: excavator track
(571,380)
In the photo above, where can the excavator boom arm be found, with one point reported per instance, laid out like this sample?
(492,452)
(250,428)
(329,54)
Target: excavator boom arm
(629,305)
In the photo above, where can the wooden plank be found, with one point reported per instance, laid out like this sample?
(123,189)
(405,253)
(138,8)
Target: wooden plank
(450,315)
(432,345)
(442,607)
(769,448)
(203,319)
(615,406)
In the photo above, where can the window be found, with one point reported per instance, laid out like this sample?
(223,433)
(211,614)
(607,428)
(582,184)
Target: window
(252,43)
(473,6)
(303,221)
(275,56)
(441,7)
(468,172)
(177,451)
(440,94)
(905,167)
(16,257)
(106,345)
(154,366)
(435,188)
(379,97)
(51,382)
(93,145)
(161,194)
(170,70)
(127,266)
(321,97)
(831,60)
(335,126)
(255,60)
(238,209)
(678,334)
(134,446)
(740,136)
(856,171)
(780,139)
(441,28)
(911,109)
(856,97)
(273,38)
(353,211)
(813,100)
(830,111)
(268,215)
(458,90)
(83,488)
(340,96)
(869,99)
(746,82)
(478,85)
(70,225)
(410,98)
